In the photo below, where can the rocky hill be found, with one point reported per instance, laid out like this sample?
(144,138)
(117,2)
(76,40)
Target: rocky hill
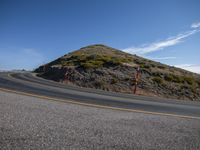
(102,67)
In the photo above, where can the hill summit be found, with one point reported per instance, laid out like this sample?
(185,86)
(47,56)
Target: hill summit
(102,67)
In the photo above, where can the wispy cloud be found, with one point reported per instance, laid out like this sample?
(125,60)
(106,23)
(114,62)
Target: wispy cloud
(156,46)
(190,67)
(162,58)
(195,25)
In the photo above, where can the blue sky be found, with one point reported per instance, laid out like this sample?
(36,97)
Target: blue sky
(33,32)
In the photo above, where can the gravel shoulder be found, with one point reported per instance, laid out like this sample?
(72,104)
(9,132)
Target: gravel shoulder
(33,123)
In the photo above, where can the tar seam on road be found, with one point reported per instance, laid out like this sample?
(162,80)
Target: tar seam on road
(97,106)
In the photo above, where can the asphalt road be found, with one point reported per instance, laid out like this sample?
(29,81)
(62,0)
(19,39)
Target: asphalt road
(40,114)
(29,83)
(29,123)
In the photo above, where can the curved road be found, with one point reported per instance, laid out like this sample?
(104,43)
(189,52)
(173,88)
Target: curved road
(27,83)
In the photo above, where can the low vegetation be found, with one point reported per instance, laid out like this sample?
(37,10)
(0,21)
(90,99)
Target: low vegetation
(102,67)
(158,80)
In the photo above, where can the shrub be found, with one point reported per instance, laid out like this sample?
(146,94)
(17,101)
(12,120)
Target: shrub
(141,65)
(157,80)
(153,65)
(126,79)
(161,67)
(87,65)
(194,90)
(198,82)
(173,78)
(177,79)
(94,60)
(113,80)
(92,64)
(115,61)
(99,84)
(137,61)
(184,87)
(104,58)
(156,74)
(189,80)
(146,66)
(168,77)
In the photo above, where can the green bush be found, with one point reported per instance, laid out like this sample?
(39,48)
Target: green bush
(184,87)
(92,64)
(168,77)
(146,66)
(113,81)
(99,84)
(177,79)
(158,80)
(173,78)
(158,74)
(93,61)
(194,90)
(161,67)
(153,65)
(198,83)
(126,79)
(87,65)
(189,80)
(116,61)
(141,65)
(137,61)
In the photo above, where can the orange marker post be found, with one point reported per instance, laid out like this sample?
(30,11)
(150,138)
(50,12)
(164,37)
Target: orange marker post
(66,77)
(137,77)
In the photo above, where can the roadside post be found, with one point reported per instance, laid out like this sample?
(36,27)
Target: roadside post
(66,77)
(137,77)
(44,68)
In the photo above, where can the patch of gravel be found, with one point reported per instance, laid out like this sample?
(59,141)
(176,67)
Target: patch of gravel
(32,123)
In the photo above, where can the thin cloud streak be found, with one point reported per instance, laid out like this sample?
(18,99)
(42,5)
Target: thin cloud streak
(156,46)
(162,58)
(195,25)
(190,67)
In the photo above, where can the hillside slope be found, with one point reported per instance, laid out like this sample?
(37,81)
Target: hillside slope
(102,67)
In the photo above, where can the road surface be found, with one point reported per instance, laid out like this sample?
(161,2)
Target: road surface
(29,123)
(29,83)
(40,114)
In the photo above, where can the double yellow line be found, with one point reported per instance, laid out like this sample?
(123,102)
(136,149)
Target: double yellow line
(97,106)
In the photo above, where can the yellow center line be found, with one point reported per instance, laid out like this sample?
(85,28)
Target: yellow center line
(98,106)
